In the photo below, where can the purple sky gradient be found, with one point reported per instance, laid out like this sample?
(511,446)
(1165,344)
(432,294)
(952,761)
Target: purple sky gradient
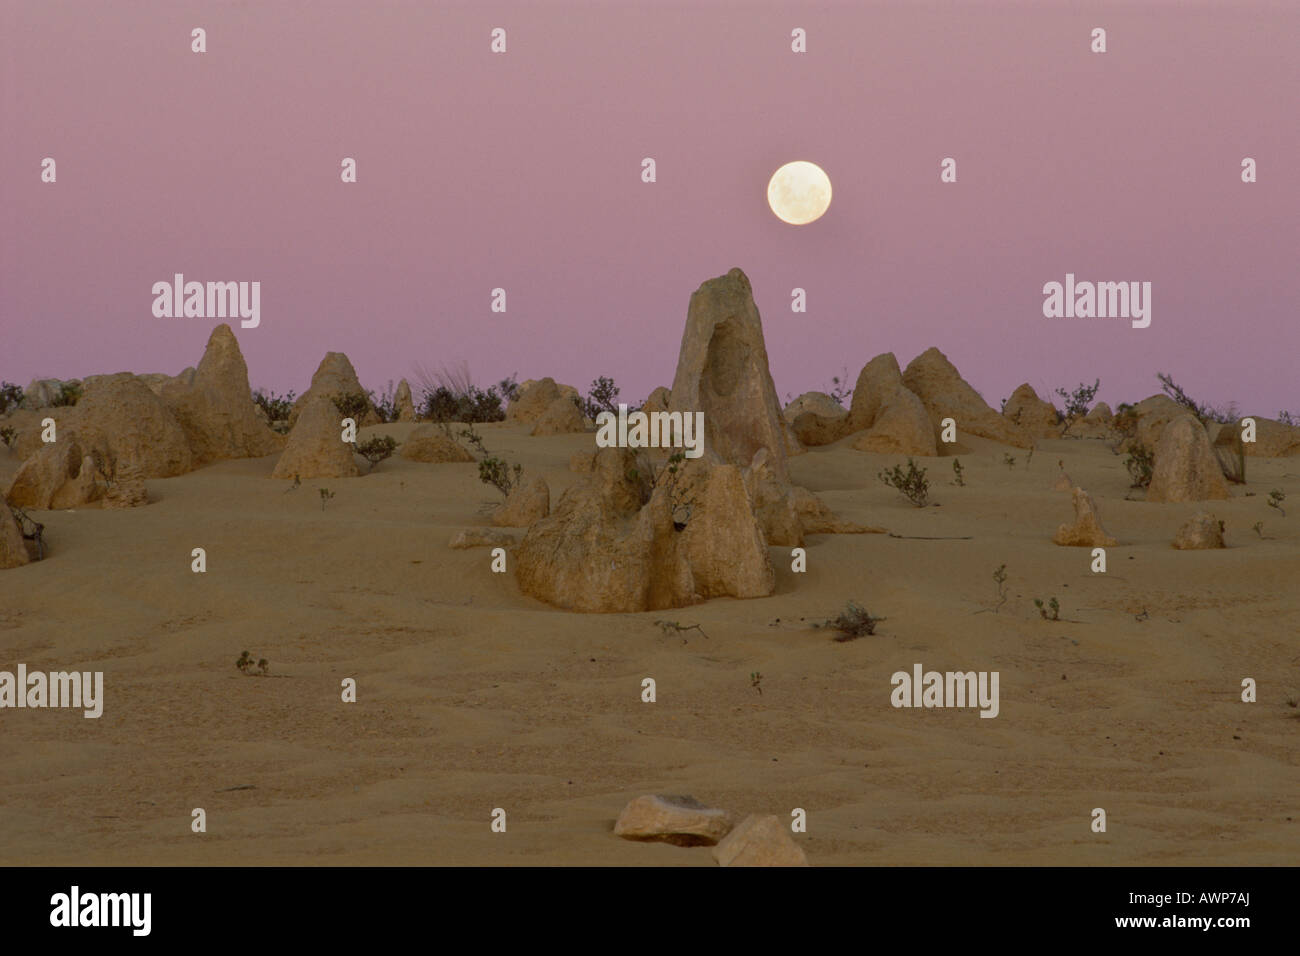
(523,171)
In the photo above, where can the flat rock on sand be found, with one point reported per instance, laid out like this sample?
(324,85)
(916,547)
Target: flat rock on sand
(759,841)
(482,538)
(681,820)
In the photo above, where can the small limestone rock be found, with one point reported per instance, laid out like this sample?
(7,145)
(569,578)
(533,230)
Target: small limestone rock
(657,401)
(528,503)
(404,403)
(681,820)
(1201,530)
(482,538)
(1273,439)
(1026,409)
(759,841)
(1086,532)
(431,444)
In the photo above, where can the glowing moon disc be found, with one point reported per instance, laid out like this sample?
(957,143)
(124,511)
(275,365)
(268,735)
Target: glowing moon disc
(799,192)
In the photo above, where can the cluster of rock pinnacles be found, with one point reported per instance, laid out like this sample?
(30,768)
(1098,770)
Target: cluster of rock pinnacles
(637,531)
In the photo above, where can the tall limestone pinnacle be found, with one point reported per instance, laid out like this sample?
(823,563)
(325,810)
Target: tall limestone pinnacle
(722,371)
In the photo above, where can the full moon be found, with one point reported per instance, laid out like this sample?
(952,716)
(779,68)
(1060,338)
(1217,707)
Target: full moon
(799,192)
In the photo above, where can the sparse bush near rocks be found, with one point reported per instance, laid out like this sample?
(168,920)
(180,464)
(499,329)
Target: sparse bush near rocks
(1052,612)
(276,407)
(1079,401)
(494,471)
(10,396)
(385,404)
(7,435)
(602,397)
(1140,462)
(1275,499)
(840,391)
(911,483)
(1224,414)
(353,405)
(958,471)
(325,495)
(450,395)
(249,668)
(853,622)
(69,394)
(375,450)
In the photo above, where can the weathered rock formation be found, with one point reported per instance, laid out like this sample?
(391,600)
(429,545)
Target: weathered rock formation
(316,448)
(561,417)
(1185,468)
(722,371)
(403,401)
(1026,409)
(334,376)
(216,409)
(527,503)
(1086,531)
(1201,531)
(946,394)
(430,443)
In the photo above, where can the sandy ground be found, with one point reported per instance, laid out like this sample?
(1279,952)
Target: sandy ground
(472,696)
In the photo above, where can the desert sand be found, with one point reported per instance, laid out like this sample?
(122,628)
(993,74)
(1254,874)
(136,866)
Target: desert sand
(472,696)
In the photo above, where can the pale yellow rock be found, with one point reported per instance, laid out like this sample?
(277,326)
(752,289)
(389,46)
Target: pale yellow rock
(528,503)
(1086,531)
(432,444)
(562,417)
(681,820)
(1038,417)
(316,448)
(760,841)
(945,394)
(1185,468)
(1201,531)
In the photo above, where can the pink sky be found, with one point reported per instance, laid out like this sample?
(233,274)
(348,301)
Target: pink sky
(523,171)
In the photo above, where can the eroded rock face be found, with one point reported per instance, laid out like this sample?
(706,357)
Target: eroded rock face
(615,542)
(532,400)
(1086,531)
(901,427)
(1026,409)
(1185,468)
(946,394)
(722,371)
(561,417)
(403,401)
(334,376)
(528,503)
(759,841)
(657,401)
(1153,414)
(13,550)
(681,820)
(1202,530)
(43,474)
(216,409)
(122,424)
(816,418)
(1229,449)
(316,448)
(429,443)
(1273,439)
